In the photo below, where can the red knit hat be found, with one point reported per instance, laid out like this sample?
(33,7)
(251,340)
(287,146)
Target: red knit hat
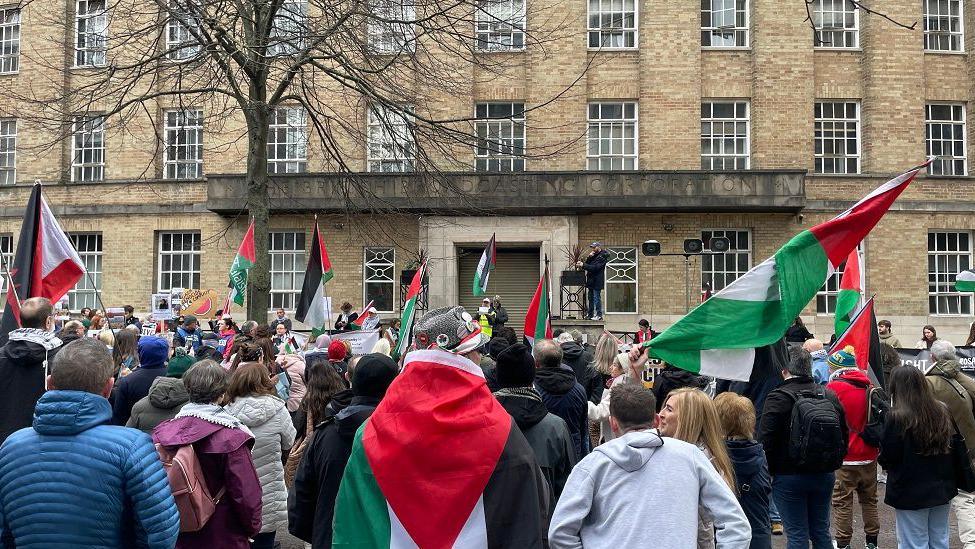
(336,351)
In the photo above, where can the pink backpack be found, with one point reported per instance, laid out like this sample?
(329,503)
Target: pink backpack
(189,489)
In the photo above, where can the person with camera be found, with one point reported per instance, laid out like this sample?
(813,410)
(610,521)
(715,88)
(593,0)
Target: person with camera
(595,267)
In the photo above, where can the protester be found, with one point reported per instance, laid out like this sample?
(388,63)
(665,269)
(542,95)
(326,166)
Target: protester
(129,318)
(280,317)
(802,463)
(643,333)
(24,364)
(595,267)
(223,447)
(858,475)
(797,333)
(246,351)
(670,378)
(371,322)
(604,358)
(249,328)
(189,334)
(251,398)
(293,365)
(72,330)
(753,484)
(575,357)
(605,502)
(562,394)
(322,342)
(486,317)
(107,338)
(346,317)
(442,454)
(281,336)
(311,508)
(626,368)
(226,331)
(323,383)
(166,397)
(916,453)
(971,335)
(337,353)
(153,354)
(382,347)
(86,314)
(886,334)
(125,353)
(928,336)
(501,314)
(890,359)
(74,480)
(820,368)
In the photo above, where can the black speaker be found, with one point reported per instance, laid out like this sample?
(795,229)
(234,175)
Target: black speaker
(693,246)
(651,248)
(720,244)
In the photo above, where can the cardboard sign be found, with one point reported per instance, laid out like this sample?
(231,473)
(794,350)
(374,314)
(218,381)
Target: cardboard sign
(362,341)
(160,306)
(200,303)
(148,328)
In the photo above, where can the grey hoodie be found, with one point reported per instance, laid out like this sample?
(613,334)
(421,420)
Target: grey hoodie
(166,396)
(641,485)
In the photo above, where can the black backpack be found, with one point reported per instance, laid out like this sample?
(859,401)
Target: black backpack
(878,406)
(816,442)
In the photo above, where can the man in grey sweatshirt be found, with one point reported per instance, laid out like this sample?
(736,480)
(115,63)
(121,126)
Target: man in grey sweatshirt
(643,486)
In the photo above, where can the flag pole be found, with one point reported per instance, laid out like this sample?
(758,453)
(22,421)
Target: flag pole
(324,287)
(548,290)
(10,279)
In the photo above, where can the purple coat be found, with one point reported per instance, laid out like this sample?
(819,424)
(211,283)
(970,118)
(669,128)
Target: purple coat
(225,457)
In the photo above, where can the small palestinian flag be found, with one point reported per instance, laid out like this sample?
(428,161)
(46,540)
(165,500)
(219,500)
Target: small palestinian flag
(361,317)
(484,267)
(965,281)
(848,298)
(440,464)
(863,337)
(538,323)
(245,259)
(409,313)
(311,304)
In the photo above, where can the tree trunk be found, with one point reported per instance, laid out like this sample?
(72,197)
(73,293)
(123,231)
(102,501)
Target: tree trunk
(258,203)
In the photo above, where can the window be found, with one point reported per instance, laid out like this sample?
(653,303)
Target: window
(826,296)
(724,135)
(9,39)
(88,149)
(390,141)
(500,25)
(179,261)
(621,280)
(85,292)
(722,269)
(837,24)
(184,144)
(949,253)
(91,26)
(612,23)
(287,251)
(944,27)
(377,278)
(8,151)
(500,137)
(180,42)
(944,134)
(612,141)
(287,143)
(390,26)
(837,137)
(724,23)
(288,30)
(7,253)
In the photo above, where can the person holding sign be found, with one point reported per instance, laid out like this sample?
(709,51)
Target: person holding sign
(486,317)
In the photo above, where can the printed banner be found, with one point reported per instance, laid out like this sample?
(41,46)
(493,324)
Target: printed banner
(362,341)
(921,358)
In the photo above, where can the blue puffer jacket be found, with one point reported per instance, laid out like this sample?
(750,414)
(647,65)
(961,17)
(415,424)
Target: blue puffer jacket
(74,480)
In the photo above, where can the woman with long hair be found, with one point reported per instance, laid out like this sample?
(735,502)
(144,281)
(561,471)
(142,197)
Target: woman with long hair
(928,336)
(125,353)
(611,365)
(322,382)
(246,351)
(916,453)
(971,335)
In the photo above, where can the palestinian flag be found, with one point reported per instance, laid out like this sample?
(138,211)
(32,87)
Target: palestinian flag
(46,264)
(538,323)
(484,267)
(245,259)
(965,281)
(863,337)
(719,337)
(439,464)
(848,298)
(361,317)
(409,312)
(311,304)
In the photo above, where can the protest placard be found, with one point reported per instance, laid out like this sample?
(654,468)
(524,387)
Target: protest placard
(362,341)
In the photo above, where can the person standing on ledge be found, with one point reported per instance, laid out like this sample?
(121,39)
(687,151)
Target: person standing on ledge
(595,267)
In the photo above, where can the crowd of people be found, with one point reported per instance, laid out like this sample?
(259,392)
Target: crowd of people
(226,437)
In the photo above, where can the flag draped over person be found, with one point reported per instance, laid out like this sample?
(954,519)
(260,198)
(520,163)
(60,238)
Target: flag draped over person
(409,313)
(46,264)
(311,304)
(848,296)
(484,267)
(361,317)
(538,323)
(862,335)
(719,337)
(965,281)
(243,261)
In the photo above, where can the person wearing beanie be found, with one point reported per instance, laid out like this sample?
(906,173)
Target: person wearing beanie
(311,509)
(494,348)
(547,433)
(153,354)
(337,356)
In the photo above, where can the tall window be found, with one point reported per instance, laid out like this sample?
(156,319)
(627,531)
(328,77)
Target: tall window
(837,137)
(180,42)
(390,141)
(612,136)
(378,278)
(85,292)
(8,151)
(287,250)
(949,253)
(7,251)
(288,31)
(390,26)
(944,26)
(944,134)
(722,269)
(9,39)
(826,296)
(724,23)
(500,137)
(612,23)
(837,24)
(621,280)
(179,261)
(287,143)
(91,33)
(184,144)
(724,135)
(88,149)
(500,25)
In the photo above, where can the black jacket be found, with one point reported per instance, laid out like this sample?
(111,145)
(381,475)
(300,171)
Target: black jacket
(501,317)
(672,377)
(22,376)
(766,375)
(565,397)
(576,357)
(775,426)
(797,334)
(311,505)
(754,488)
(595,267)
(914,481)
(131,389)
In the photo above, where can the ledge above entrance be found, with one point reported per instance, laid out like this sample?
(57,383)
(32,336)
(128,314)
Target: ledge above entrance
(554,192)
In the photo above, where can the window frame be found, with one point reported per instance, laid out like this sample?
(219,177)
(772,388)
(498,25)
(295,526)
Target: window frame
(929,122)
(391,125)
(633,30)
(13,27)
(379,34)
(600,122)
(615,253)
(296,273)
(819,158)
(490,29)
(720,139)
(96,123)
(706,235)
(391,265)
(12,169)
(197,262)
(711,31)
(175,27)
(500,143)
(182,130)
(946,275)
(819,29)
(296,128)
(90,55)
(289,29)
(92,276)
(949,34)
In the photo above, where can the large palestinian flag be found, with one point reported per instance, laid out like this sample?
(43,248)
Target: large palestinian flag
(719,337)
(243,261)
(440,465)
(538,321)
(311,304)
(46,264)
(848,296)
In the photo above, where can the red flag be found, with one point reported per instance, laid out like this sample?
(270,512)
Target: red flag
(862,335)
